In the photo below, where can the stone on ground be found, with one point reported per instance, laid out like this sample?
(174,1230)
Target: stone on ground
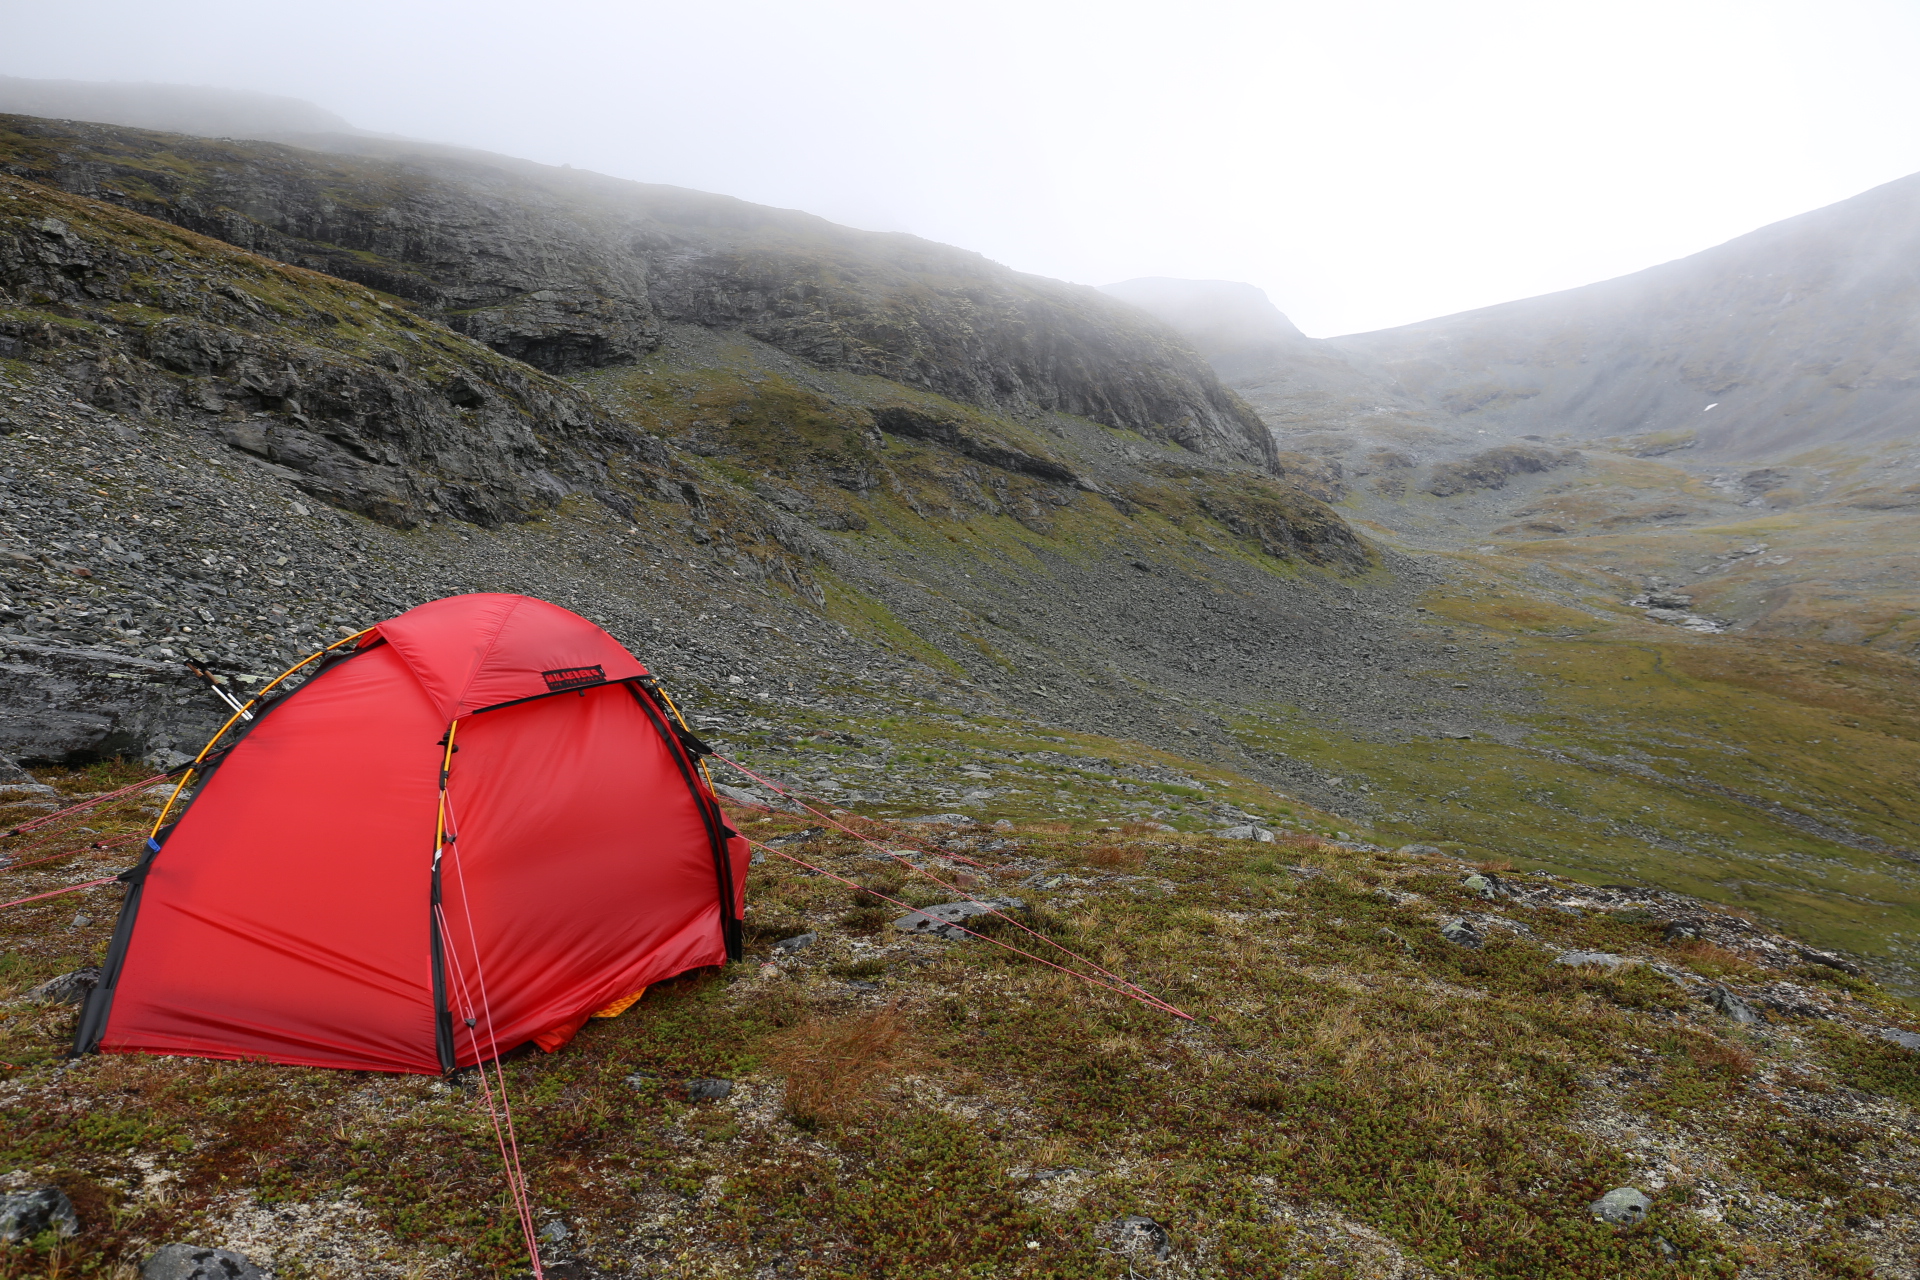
(1622,1206)
(190,1262)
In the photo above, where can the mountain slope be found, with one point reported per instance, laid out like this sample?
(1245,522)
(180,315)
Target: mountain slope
(177,107)
(1805,333)
(570,270)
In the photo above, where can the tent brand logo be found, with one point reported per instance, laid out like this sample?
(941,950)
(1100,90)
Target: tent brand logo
(564,678)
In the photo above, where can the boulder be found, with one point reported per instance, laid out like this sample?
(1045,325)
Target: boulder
(72,705)
(26,1214)
(1905,1039)
(1247,832)
(1622,1206)
(709,1090)
(798,942)
(1462,934)
(949,819)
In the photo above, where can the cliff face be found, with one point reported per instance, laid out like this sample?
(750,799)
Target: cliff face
(570,271)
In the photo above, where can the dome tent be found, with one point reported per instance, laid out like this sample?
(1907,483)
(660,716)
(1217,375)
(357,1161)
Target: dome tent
(470,828)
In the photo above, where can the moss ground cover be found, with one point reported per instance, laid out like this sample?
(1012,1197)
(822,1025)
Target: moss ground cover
(1354,1093)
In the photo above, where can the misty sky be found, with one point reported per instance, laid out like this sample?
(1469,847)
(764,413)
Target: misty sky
(1367,163)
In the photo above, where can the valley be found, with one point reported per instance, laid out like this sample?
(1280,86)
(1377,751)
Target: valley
(1350,691)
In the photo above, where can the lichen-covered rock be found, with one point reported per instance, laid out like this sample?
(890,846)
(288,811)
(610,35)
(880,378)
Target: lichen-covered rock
(191,1262)
(1622,1206)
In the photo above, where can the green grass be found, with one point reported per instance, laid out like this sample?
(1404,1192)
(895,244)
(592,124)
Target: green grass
(1668,762)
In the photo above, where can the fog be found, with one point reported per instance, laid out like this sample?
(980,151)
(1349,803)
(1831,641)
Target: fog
(1367,163)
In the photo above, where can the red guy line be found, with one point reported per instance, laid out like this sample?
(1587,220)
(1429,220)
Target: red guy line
(54,893)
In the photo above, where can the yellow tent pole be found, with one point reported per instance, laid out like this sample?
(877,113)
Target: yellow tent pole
(245,708)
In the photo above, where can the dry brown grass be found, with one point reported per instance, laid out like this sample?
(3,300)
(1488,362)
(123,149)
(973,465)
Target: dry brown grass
(1711,960)
(834,1065)
(1114,857)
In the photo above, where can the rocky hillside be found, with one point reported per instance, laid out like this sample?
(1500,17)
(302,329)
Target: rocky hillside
(570,271)
(190,426)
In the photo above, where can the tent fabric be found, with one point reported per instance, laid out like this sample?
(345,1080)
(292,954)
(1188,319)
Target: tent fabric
(289,913)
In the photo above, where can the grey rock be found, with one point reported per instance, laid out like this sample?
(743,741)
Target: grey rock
(1003,824)
(1905,1039)
(1622,1206)
(939,922)
(73,704)
(1137,1234)
(1247,832)
(1732,1005)
(15,781)
(1681,931)
(68,988)
(190,1262)
(709,1090)
(1597,959)
(795,837)
(80,920)
(950,819)
(1830,960)
(1482,885)
(1419,850)
(798,942)
(555,1232)
(28,1213)
(1462,934)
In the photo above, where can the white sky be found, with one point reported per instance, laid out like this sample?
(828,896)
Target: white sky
(1366,162)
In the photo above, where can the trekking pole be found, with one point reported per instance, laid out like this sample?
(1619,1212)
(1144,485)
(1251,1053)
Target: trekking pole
(213,683)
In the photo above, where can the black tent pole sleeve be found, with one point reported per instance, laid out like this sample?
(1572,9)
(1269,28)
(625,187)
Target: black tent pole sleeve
(710,815)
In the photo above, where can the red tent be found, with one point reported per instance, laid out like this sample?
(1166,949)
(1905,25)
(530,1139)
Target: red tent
(472,829)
